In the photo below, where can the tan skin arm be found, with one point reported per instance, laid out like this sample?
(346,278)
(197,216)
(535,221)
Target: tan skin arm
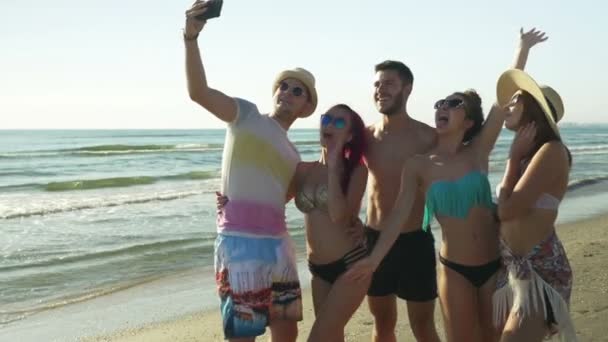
(521,145)
(526,41)
(410,185)
(217,103)
(547,166)
(485,141)
(295,180)
(343,207)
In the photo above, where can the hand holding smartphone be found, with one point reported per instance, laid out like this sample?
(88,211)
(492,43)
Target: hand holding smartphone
(214,8)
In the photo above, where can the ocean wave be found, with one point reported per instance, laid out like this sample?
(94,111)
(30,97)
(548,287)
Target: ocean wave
(581,183)
(113,182)
(158,247)
(177,252)
(30,154)
(110,150)
(62,206)
(101,148)
(307,143)
(125,149)
(10,316)
(116,182)
(194,175)
(587,148)
(26,173)
(118,149)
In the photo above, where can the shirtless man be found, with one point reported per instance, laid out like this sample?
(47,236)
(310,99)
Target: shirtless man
(408,271)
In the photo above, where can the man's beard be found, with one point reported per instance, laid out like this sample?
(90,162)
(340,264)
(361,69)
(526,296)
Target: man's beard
(395,108)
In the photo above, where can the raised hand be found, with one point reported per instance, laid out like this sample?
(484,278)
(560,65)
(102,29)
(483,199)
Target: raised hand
(530,38)
(194,25)
(523,141)
(335,152)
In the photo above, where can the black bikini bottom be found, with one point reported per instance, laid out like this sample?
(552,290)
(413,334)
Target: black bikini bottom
(330,272)
(476,275)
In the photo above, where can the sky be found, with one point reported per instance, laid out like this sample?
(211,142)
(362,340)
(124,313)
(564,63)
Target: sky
(120,63)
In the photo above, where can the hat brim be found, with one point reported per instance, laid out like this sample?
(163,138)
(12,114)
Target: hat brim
(309,87)
(514,80)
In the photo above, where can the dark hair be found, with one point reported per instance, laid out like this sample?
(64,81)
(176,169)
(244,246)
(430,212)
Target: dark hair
(354,149)
(544,133)
(405,74)
(474,112)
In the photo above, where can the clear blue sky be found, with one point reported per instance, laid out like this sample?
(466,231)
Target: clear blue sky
(119,63)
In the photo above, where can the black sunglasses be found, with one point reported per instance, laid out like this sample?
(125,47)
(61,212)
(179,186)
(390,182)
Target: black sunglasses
(452,103)
(296,91)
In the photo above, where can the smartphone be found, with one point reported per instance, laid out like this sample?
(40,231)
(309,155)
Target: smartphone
(213,10)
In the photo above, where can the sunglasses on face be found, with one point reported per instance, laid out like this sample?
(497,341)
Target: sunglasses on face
(327,119)
(296,91)
(450,104)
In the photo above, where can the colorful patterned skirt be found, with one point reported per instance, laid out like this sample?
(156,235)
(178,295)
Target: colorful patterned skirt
(540,281)
(257,281)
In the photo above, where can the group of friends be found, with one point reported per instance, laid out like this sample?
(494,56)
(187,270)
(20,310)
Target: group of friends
(503,273)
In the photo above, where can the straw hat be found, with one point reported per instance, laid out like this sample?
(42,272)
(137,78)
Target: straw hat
(548,99)
(303,76)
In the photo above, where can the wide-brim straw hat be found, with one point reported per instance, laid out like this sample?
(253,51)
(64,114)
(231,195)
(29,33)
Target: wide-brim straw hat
(514,80)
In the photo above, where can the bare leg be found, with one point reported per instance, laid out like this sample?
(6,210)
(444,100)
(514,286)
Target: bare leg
(384,310)
(343,300)
(320,290)
(531,329)
(459,305)
(484,295)
(422,320)
(282,330)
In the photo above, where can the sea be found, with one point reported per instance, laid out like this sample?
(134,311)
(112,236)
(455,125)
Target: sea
(129,216)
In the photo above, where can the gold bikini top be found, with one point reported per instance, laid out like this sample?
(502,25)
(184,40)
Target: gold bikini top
(312,197)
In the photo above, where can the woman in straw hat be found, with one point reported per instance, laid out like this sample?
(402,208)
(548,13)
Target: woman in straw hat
(534,288)
(453,177)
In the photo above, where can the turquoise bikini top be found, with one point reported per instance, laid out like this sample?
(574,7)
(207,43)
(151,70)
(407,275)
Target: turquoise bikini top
(455,198)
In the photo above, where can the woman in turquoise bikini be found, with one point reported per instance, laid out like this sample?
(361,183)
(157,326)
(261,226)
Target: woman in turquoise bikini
(454,178)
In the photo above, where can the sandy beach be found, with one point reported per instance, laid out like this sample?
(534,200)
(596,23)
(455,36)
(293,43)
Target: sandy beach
(586,243)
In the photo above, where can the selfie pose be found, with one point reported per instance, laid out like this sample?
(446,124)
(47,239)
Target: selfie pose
(255,262)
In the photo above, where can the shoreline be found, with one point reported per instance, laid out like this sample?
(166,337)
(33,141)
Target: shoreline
(183,306)
(586,242)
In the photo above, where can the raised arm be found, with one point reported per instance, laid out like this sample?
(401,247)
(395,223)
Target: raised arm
(342,207)
(526,41)
(486,139)
(295,180)
(548,165)
(521,146)
(391,227)
(217,103)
